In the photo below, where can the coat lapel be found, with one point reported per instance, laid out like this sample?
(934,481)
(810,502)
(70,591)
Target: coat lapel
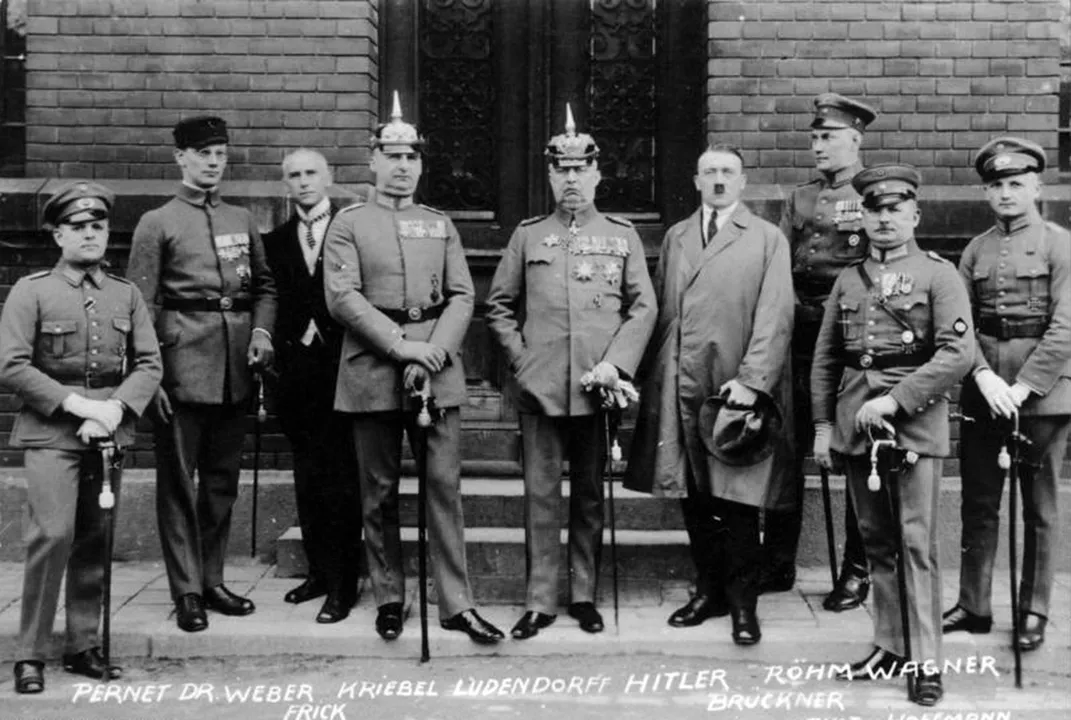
(730,232)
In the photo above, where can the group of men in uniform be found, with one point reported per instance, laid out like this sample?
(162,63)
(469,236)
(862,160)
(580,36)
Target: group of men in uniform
(368,305)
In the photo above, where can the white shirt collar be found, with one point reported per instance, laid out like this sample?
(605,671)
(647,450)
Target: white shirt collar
(317,209)
(723,215)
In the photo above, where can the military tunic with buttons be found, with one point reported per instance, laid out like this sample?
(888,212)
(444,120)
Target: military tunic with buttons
(394,269)
(862,353)
(70,331)
(571,290)
(1018,275)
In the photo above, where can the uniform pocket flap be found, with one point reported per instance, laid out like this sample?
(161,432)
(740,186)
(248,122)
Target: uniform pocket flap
(980,273)
(121,324)
(848,305)
(59,327)
(1032,271)
(910,302)
(541,257)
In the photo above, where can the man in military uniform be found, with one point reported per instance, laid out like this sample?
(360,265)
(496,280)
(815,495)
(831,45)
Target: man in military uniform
(1017,275)
(77,346)
(309,343)
(396,279)
(822,220)
(580,280)
(200,264)
(895,339)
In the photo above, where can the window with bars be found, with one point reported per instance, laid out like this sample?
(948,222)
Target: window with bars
(12,88)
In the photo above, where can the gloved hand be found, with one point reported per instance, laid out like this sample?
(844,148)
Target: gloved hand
(603,375)
(415,378)
(432,357)
(873,413)
(92,430)
(108,413)
(260,353)
(823,437)
(739,393)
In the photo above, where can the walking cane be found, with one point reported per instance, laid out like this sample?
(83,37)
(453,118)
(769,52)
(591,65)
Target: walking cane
(109,463)
(1009,462)
(262,415)
(831,541)
(424,421)
(892,494)
(612,419)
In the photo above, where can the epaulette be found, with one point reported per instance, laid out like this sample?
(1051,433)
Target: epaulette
(354,206)
(932,254)
(812,181)
(619,220)
(532,220)
(429,208)
(119,278)
(39,274)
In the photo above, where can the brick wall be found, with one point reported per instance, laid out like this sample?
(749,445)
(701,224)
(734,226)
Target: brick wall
(107,80)
(946,76)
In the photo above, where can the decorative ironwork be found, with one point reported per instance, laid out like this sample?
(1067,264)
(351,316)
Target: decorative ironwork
(621,102)
(457,104)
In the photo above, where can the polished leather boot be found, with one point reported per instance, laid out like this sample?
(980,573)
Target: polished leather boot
(1032,631)
(746,629)
(589,618)
(697,610)
(308,590)
(960,619)
(851,590)
(926,689)
(222,600)
(479,630)
(389,620)
(90,663)
(336,608)
(190,613)
(878,664)
(530,624)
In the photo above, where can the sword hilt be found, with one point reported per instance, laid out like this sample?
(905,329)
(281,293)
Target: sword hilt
(262,413)
(106,498)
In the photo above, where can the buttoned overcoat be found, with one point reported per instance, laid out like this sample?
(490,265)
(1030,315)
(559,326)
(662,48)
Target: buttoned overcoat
(725,312)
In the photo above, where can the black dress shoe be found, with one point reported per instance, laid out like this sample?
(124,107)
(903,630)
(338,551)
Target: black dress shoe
(746,629)
(224,601)
(190,613)
(308,590)
(698,609)
(530,624)
(29,677)
(777,579)
(91,664)
(1032,631)
(336,608)
(851,590)
(961,619)
(589,618)
(878,664)
(478,629)
(389,621)
(926,689)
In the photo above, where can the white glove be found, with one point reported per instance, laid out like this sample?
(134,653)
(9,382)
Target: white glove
(997,394)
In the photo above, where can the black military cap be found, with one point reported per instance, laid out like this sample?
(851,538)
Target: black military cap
(887,184)
(833,112)
(200,132)
(1004,156)
(77,202)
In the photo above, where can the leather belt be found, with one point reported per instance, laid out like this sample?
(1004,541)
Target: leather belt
(92,382)
(213,304)
(413,314)
(866,361)
(1005,328)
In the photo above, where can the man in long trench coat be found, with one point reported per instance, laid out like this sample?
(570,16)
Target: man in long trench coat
(724,290)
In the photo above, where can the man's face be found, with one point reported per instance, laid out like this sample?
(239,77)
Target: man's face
(720,178)
(307,179)
(398,169)
(82,243)
(834,149)
(202,168)
(892,225)
(574,187)
(1014,195)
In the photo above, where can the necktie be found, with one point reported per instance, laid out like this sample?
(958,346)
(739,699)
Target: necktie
(310,239)
(712,228)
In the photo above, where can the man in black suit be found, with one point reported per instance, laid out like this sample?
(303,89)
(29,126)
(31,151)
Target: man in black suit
(309,343)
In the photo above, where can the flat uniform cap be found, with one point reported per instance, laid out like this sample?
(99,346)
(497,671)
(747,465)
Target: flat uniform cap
(833,111)
(77,202)
(200,132)
(887,184)
(1004,156)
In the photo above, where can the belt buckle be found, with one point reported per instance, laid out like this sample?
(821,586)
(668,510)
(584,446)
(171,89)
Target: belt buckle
(225,303)
(866,361)
(415,314)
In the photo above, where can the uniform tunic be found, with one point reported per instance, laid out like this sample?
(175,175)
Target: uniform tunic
(1017,273)
(571,290)
(822,220)
(199,249)
(396,256)
(89,333)
(936,349)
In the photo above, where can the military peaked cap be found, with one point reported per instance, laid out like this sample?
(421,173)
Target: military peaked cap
(1008,155)
(887,184)
(77,202)
(835,111)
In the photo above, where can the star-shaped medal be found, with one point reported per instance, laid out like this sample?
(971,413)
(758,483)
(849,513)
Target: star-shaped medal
(583,270)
